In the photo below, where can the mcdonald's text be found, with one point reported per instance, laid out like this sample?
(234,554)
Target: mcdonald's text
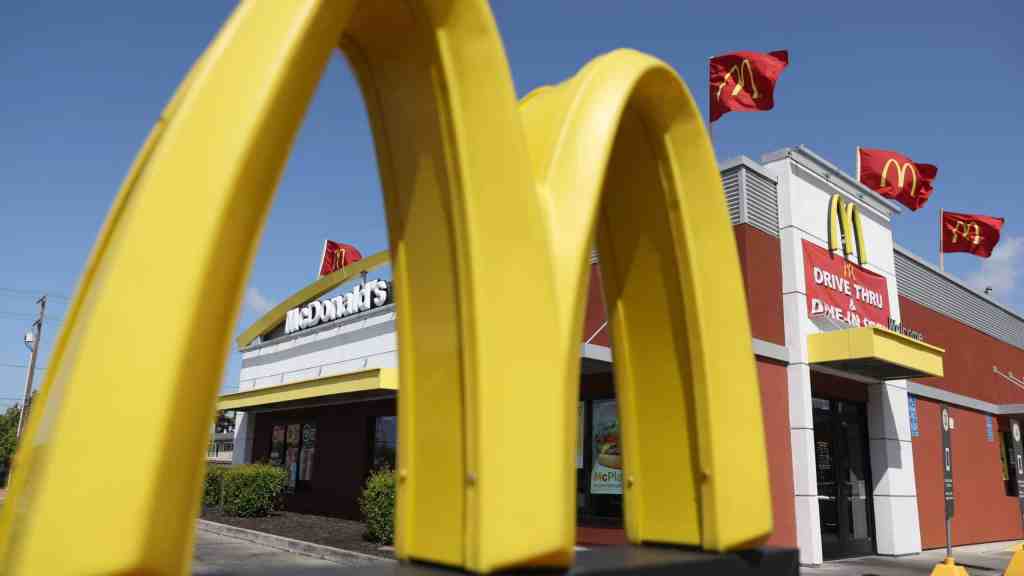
(363,297)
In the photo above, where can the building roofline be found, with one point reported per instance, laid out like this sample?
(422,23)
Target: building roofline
(956,280)
(854,188)
(747,163)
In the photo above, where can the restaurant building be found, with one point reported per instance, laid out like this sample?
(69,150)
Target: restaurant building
(859,346)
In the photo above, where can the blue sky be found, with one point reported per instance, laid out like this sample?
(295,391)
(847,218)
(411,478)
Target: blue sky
(81,84)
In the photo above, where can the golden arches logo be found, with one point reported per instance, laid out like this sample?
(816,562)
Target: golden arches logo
(486,201)
(339,258)
(969,231)
(743,72)
(844,229)
(849,270)
(902,170)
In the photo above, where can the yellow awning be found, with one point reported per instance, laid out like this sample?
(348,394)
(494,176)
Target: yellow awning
(353,382)
(874,352)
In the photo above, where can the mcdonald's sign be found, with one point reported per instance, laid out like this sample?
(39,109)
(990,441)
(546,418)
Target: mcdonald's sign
(486,200)
(844,229)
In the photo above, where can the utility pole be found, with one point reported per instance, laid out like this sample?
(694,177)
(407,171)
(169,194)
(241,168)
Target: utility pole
(36,335)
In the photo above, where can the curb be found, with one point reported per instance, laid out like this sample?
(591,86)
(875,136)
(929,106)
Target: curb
(329,553)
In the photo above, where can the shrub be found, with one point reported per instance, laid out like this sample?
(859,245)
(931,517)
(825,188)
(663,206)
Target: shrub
(252,489)
(377,504)
(213,485)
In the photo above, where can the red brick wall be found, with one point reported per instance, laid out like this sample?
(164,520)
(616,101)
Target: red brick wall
(970,356)
(775,406)
(984,513)
(595,317)
(761,265)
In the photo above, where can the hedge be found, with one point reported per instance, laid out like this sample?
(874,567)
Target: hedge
(252,489)
(377,504)
(213,485)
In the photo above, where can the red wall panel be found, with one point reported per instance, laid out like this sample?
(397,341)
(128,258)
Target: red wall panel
(595,327)
(761,264)
(775,406)
(984,513)
(970,356)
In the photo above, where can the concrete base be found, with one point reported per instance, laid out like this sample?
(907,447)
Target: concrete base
(1016,566)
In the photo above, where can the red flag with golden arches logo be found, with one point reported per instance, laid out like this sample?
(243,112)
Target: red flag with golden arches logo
(745,81)
(337,255)
(971,233)
(896,176)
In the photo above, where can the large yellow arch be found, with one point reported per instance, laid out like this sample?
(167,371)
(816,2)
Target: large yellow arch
(471,233)
(620,150)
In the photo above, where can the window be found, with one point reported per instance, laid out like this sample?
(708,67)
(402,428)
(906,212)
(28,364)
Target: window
(293,447)
(385,442)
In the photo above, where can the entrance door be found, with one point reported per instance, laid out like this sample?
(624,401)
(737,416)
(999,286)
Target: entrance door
(844,479)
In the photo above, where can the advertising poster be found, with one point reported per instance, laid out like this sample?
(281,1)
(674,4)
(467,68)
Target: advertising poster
(307,453)
(291,455)
(277,446)
(579,435)
(606,474)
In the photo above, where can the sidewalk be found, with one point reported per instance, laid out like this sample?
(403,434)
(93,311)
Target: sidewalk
(978,559)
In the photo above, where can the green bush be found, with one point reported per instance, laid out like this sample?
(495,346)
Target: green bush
(377,504)
(252,489)
(8,439)
(213,486)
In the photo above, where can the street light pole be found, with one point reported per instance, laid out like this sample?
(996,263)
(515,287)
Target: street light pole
(36,335)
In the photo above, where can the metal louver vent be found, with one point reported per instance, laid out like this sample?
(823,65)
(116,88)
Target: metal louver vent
(752,197)
(928,287)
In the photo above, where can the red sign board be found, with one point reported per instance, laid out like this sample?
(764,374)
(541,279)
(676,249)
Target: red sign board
(843,291)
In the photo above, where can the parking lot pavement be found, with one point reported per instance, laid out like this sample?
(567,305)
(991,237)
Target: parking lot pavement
(978,559)
(221,555)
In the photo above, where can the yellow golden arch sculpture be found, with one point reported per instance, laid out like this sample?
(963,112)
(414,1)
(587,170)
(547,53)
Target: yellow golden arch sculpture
(479,218)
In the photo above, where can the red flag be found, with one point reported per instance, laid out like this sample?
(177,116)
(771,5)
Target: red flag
(745,81)
(895,176)
(337,255)
(970,233)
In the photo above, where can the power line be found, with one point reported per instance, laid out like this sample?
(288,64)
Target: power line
(26,315)
(7,365)
(34,293)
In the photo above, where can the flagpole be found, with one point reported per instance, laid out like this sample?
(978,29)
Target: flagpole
(857,151)
(942,267)
(711,130)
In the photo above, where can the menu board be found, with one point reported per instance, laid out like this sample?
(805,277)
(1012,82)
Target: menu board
(606,473)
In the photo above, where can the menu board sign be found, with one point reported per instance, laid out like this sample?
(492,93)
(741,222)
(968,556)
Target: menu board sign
(947,464)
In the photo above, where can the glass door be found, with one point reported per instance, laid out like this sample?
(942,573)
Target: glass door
(844,478)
